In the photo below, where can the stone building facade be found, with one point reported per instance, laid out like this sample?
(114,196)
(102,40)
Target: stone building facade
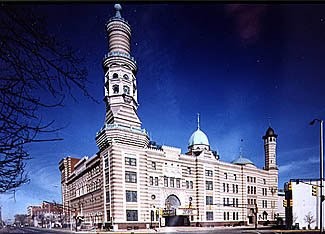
(133,183)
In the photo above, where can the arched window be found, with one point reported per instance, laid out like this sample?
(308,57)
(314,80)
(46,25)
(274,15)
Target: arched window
(115,89)
(126,89)
(115,76)
(125,76)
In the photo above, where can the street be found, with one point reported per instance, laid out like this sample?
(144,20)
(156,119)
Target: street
(12,229)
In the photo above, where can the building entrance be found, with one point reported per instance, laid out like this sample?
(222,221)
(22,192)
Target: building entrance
(170,213)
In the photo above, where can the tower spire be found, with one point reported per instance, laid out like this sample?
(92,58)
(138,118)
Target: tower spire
(241,148)
(118,7)
(198,120)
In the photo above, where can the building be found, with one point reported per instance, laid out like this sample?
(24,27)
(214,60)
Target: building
(45,215)
(133,182)
(302,203)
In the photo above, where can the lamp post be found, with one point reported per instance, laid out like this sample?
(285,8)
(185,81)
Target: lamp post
(321,170)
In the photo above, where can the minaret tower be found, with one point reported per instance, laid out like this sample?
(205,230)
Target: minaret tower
(270,149)
(120,74)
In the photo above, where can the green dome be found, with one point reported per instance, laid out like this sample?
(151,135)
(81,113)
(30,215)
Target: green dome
(242,161)
(198,138)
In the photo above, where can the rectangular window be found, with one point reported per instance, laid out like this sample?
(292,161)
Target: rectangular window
(227,188)
(264,181)
(165,181)
(108,214)
(191,184)
(233,202)
(208,185)
(247,178)
(233,216)
(107,197)
(130,177)
(106,162)
(236,202)
(265,191)
(172,181)
(233,188)
(226,175)
(224,216)
(130,161)
(131,215)
(187,184)
(208,173)
(209,215)
(236,188)
(227,200)
(235,176)
(156,181)
(209,200)
(106,177)
(189,170)
(227,215)
(131,196)
(224,201)
(153,165)
(151,180)
(248,189)
(224,187)
(237,215)
(178,183)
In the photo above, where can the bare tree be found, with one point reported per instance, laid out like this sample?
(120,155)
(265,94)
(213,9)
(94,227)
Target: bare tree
(36,73)
(309,219)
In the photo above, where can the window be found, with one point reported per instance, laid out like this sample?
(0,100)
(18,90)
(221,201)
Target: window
(151,180)
(224,201)
(264,181)
(106,162)
(125,76)
(189,171)
(247,178)
(209,200)
(254,179)
(235,176)
(131,196)
(236,215)
(254,190)
(233,188)
(191,184)
(224,216)
(130,177)
(115,75)
(115,89)
(172,181)
(106,177)
(236,202)
(130,161)
(227,188)
(208,185)
(153,165)
(248,189)
(165,181)
(178,183)
(126,89)
(236,188)
(233,202)
(233,216)
(209,215)
(156,181)
(227,200)
(226,175)
(224,187)
(107,197)
(131,215)
(208,173)
(227,215)
(187,184)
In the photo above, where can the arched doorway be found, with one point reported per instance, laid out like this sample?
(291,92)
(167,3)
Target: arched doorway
(172,202)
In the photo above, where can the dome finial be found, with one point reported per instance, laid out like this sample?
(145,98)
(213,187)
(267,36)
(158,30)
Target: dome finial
(241,148)
(118,7)
(198,120)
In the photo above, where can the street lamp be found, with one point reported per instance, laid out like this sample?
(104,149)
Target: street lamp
(321,155)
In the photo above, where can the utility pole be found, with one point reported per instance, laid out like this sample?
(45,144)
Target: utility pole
(256,215)
(321,171)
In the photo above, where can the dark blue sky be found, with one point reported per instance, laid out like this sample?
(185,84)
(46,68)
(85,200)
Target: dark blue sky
(240,66)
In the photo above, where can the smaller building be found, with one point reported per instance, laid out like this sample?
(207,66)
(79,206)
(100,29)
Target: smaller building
(302,204)
(46,215)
